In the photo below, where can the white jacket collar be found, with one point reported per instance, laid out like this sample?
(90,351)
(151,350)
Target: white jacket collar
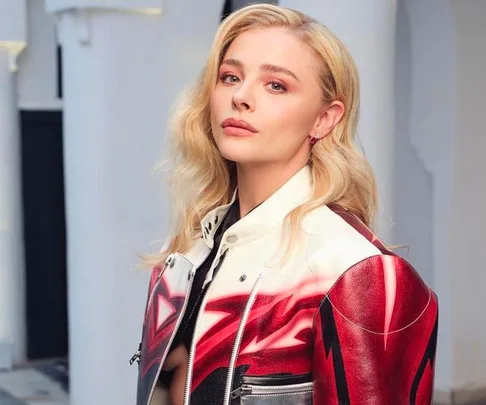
(272,212)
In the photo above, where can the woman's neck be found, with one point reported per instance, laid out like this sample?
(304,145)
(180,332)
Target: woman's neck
(256,183)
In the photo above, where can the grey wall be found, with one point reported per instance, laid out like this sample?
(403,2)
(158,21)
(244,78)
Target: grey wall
(425,126)
(468,255)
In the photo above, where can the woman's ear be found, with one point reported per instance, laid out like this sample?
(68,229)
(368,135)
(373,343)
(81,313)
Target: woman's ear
(328,118)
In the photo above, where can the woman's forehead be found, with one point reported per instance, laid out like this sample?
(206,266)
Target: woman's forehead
(275,46)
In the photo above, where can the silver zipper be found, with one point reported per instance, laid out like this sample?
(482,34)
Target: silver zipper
(187,387)
(239,336)
(179,320)
(247,389)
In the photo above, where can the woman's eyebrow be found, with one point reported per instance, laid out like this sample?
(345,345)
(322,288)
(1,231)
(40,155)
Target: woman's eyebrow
(233,62)
(266,67)
(278,69)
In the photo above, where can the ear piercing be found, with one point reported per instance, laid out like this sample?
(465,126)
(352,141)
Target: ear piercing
(315,138)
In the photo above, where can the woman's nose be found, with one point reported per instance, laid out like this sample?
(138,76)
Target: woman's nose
(243,100)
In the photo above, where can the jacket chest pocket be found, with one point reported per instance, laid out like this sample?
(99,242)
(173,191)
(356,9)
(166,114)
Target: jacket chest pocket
(274,390)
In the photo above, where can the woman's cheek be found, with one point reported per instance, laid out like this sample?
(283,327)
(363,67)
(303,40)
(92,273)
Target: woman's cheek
(284,118)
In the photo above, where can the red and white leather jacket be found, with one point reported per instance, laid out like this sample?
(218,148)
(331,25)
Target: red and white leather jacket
(343,322)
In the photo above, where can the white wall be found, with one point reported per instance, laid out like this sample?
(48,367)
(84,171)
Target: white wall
(440,70)
(141,5)
(121,72)
(469,200)
(37,78)
(13,36)
(13,25)
(12,323)
(425,111)
(412,199)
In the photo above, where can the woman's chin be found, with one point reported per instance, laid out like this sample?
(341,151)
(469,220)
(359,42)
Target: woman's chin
(237,154)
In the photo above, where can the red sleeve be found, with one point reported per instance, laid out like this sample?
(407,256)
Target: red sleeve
(375,337)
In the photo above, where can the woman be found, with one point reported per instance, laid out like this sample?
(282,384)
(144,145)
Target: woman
(273,289)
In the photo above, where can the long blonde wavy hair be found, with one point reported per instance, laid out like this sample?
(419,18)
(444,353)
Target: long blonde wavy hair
(200,179)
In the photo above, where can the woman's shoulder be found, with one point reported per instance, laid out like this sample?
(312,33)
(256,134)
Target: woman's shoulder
(339,243)
(337,240)
(364,277)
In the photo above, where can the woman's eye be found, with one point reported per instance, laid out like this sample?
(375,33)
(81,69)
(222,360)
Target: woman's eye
(229,78)
(277,87)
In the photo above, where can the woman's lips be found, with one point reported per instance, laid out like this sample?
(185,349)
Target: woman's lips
(237,131)
(232,126)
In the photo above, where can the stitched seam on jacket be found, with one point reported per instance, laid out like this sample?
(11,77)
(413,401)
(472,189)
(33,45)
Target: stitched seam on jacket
(327,297)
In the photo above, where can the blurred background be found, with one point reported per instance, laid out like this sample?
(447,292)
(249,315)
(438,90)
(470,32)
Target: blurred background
(85,91)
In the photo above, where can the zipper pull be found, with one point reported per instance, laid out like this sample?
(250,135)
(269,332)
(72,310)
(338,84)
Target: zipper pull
(136,356)
(243,390)
(169,262)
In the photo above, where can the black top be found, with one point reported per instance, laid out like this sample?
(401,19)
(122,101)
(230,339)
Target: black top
(186,328)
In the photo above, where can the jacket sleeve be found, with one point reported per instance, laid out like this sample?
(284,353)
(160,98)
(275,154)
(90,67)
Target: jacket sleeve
(375,337)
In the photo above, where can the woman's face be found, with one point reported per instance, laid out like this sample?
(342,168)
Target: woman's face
(269,80)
